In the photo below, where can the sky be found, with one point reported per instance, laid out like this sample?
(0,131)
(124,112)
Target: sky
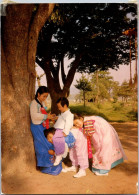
(122,74)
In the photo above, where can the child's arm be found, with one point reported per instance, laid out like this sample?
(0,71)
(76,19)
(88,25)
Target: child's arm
(51,152)
(68,124)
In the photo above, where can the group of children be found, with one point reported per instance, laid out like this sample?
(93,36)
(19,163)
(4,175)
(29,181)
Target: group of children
(64,136)
(75,134)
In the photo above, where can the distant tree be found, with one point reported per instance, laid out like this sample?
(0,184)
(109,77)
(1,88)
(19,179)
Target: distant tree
(115,89)
(84,85)
(125,91)
(103,86)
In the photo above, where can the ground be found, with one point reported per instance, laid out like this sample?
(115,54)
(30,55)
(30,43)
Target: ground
(121,179)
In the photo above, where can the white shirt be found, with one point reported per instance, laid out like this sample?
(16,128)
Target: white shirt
(64,122)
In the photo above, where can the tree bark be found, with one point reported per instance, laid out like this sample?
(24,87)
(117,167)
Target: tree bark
(20,30)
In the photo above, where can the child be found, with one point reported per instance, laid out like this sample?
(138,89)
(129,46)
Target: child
(108,149)
(78,153)
(63,125)
(49,133)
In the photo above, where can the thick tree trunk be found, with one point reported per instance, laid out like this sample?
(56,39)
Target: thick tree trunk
(20,30)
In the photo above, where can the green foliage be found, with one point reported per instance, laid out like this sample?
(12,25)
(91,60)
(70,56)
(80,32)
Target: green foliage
(118,106)
(103,86)
(94,31)
(83,84)
(116,112)
(125,90)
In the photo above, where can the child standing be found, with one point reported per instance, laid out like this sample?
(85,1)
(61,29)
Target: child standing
(78,154)
(63,125)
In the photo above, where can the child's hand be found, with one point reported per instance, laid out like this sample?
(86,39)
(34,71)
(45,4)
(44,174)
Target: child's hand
(51,116)
(51,152)
(64,134)
(55,118)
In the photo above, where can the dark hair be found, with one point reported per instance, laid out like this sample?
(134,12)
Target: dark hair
(41,90)
(63,101)
(50,130)
(77,116)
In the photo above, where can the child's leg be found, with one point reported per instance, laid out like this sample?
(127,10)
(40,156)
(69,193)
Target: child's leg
(73,158)
(58,159)
(82,154)
(82,151)
(59,145)
(66,151)
(59,142)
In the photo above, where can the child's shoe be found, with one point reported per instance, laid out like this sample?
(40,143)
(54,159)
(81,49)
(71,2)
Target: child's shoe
(99,174)
(58,160)
(81,173)
(64,171)
(72,168)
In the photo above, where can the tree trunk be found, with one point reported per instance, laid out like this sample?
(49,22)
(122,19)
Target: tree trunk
(136,54)
(130,81)
(53,82)
(84,97)
(20,30)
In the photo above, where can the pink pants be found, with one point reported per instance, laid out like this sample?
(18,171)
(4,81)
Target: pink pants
(79,153)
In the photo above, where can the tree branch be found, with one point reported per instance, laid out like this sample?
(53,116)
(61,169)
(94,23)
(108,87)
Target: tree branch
(71,73)
(63,75)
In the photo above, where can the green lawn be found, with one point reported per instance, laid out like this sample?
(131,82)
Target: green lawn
(117,112)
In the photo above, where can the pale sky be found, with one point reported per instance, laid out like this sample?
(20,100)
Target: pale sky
(122,74)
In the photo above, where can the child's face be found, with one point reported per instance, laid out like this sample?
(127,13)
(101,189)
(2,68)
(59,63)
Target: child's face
(42,97)
(61,108)
(78,123)
(50,138)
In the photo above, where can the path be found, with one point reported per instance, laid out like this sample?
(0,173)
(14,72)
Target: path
(121,180)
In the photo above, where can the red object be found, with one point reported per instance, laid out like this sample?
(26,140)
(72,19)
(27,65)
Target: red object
(89,147)
(46,122)
(88,144)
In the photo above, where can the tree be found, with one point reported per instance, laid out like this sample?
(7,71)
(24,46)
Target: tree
(84,85)
(20,30)
(125,91)
(103,86)
(91,34)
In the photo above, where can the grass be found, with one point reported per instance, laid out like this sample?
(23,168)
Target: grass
(114,112)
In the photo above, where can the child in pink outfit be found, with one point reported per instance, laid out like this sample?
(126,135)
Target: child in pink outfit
(78,154)
(108,149)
